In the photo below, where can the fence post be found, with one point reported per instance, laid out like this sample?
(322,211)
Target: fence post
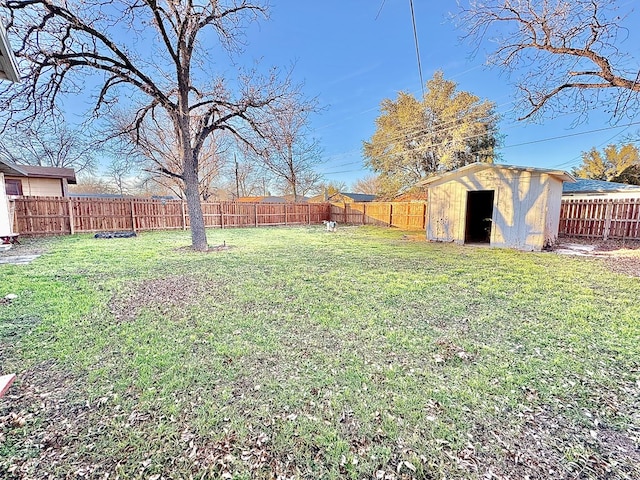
(221,215)
(184,216)
(364,214)
(255,214)
(390,214)
(309,211)
(72,228)
(607,220)
(424,216)
(133,216)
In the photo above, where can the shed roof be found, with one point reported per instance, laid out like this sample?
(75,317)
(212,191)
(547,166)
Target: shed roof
(586,185)
(479,166)
(8,64)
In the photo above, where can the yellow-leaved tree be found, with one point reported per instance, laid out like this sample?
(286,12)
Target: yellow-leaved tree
(445,130)
(614,164)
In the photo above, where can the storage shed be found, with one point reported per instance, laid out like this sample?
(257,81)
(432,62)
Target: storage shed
(500,205)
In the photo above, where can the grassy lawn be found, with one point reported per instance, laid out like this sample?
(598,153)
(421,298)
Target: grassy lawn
(298,353)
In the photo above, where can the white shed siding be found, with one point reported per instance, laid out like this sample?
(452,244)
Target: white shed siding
(526,209)
(554,204)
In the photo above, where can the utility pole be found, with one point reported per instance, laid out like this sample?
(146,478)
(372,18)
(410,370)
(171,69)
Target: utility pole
(237,179)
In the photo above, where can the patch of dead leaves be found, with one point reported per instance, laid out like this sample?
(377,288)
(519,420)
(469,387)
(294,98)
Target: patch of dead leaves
(162,295)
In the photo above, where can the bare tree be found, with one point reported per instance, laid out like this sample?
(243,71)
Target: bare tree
(153,55)
(119,172)
(244,177)
(154,148)
(331,187)
(91,185)
(369,185)
(289,153)
(50,145)
(569,49)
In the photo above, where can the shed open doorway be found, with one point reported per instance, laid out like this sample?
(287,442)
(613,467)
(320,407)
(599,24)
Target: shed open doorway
(479,215)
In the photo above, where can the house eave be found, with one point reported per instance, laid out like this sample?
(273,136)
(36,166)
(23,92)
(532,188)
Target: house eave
(8,64)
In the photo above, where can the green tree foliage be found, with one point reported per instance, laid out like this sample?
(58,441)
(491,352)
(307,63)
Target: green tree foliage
(613,164)
(446,130)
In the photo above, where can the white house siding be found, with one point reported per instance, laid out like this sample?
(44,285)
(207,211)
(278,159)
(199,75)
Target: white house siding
(520,211)
(6,223)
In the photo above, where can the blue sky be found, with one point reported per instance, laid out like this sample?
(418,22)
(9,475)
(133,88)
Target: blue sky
(351,55)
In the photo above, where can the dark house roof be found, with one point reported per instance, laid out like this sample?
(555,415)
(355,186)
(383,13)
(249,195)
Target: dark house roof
(50,172)
(585,185)
(9,168)
(359,197)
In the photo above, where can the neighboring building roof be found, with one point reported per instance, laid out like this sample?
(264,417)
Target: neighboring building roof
(297,199)
(99,195)
(479,166)
(359,197)
(586,185)
(8,64)
(9,168)
(249,199)
(266,199)
(412,195)
(337,197)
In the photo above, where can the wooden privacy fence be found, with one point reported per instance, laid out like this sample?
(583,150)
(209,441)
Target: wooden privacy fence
(404,215)
(58,215)
(604,218)
(600,218)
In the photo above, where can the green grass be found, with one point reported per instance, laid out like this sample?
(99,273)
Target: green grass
(307,354)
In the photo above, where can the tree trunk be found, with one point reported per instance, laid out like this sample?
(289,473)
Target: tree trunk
(192,194)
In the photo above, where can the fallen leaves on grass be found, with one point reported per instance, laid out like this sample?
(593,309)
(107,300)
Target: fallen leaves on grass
(161,295)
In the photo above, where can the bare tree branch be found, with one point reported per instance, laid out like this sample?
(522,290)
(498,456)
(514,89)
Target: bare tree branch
(555,42)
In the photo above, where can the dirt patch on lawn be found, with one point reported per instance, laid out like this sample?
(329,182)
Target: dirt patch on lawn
(223,247)
(618,256)
(165,295)
(30,246)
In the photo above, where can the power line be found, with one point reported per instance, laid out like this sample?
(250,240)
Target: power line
(380,10)
(415,38)
(541,140)
(572,135)
(606,142)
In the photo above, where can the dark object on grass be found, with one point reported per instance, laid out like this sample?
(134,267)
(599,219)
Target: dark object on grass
(115,235)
